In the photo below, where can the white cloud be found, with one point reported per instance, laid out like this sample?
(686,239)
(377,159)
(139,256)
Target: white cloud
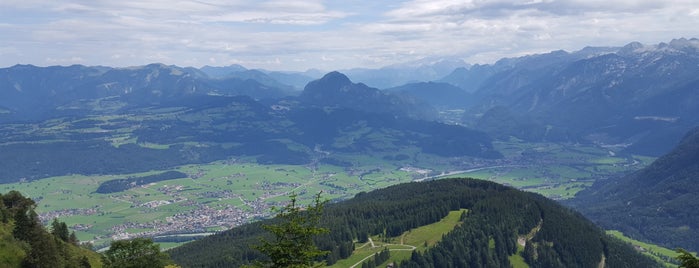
(65,61)
(507,28)
(295,34)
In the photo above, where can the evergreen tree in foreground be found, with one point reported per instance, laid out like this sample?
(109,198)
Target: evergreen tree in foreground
(687,260)
(292,244)
(135,253)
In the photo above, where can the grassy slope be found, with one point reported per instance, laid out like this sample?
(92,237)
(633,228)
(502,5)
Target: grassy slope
(401,247)
(558,171)
(517,260)
(656,252)
(11,252)
(94,258)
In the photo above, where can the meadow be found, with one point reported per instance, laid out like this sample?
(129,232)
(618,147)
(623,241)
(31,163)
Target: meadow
(401,247)
(215,196)
(663,255)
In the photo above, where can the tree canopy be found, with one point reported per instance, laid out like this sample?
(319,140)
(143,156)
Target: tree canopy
(135,253)
(25,242)
(292,244)
(687,260)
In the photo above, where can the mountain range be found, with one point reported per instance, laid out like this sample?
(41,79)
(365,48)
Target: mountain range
(37,93)
(428,69)
(442,96)
(637,96)
(640,97)
(336,90)
(331,114)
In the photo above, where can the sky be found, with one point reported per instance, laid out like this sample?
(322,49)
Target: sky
(327,35)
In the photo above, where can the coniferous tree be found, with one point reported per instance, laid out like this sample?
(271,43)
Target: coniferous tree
(135,253)
(60,230)
(687,260)
(73,239)
(84,263)
(292,245)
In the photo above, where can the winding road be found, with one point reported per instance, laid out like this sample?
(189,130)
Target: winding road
(463,171)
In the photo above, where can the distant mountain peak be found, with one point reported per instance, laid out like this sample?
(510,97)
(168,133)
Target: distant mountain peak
(336,76)
(683,44)
(222,72)
(157,65)
(633,45)
(450,63)
(330,81)
(337,90)
(631,48)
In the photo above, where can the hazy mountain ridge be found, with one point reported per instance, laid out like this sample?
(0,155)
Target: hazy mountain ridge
(438,94)
(336,90)
(410,72)
(222,127)
(630,95)
(639,96)
(36,93)
(657,203)
(219,72)
(24,88)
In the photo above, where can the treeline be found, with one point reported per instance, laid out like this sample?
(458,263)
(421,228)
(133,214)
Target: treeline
(489,233)
(497,216)
(33,161)
(119,185)
(377,259)
(25,242)
(322,126)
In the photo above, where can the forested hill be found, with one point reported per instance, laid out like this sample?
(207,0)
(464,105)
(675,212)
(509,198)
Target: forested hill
(657,203)
(497,217)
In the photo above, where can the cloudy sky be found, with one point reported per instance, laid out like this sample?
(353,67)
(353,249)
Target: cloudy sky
(328,35)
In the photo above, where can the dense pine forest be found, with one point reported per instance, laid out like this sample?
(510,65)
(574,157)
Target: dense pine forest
(497,217)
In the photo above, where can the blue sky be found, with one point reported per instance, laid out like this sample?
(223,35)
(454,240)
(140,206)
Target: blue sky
(327,35)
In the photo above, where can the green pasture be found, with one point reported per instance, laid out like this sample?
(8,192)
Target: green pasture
(516,260)
(431,234)
(534,179)
(554,170)
(215,185)
(401,247)
(656,252)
